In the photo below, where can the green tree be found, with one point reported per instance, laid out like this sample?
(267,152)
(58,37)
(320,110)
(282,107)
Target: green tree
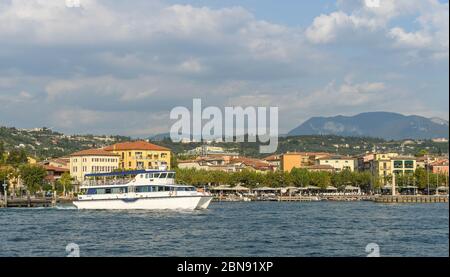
(320,179)
(421,179)
(422,153)
(33,177)
(2,151)
(300,177)
(17,157)
(173,161)
(65,183)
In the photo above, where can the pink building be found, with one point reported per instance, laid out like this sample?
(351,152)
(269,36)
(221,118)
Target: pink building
(440,167)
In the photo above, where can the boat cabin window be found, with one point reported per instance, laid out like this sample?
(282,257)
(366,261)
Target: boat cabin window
(170,175)
(93,191)
(119,190)
(163,175)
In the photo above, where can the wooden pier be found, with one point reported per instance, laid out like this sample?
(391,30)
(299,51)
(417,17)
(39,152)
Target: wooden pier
(412,199)
(28,202)
(297,198)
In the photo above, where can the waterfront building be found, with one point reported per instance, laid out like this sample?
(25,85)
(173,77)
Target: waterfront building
(423,161)
(274,160)
(54,173)
(440,167)
(92,161)
(140,155)
(378,164)
(63,162)
(339,163)
(203,163)
(227,164)
(193,164)
(252,164)
(403,165)
(320,168)
(292,160)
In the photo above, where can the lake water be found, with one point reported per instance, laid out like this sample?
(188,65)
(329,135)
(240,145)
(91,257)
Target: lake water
(231,229)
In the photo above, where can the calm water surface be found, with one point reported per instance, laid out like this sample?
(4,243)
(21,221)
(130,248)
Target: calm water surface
(231,229)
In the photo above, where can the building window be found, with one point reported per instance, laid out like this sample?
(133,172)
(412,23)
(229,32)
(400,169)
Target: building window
(409,164)
(398,164)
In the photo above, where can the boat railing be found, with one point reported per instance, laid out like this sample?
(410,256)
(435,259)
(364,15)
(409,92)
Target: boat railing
(92,183)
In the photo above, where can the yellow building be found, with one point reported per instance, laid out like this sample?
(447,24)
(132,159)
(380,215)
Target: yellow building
(384,165)
(403,165)
(140,155)
(381,165)
(92,161)
(339,163)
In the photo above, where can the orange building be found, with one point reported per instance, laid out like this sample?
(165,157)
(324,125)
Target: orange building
(292,160)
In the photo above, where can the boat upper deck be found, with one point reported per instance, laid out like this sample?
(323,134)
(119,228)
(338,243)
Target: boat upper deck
(130,178)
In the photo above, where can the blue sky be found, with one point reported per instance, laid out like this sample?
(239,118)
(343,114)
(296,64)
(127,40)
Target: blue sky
(118,68)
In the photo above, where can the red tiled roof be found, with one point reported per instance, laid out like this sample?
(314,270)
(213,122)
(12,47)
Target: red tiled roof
(56,169)
(93,152)
(440,163)
(307,153)
(135,145)
(272,158)
(256,163)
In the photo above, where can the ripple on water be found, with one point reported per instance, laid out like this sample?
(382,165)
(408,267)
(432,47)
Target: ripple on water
(230,229)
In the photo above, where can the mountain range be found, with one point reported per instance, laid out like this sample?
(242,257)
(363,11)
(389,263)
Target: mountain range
(384,125)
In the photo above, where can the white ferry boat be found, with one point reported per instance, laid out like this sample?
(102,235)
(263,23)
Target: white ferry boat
(147,190)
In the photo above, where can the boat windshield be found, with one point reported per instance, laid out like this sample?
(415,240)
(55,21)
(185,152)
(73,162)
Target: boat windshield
(168,175)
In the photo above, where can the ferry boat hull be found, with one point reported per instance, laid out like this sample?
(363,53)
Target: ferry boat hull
(150,203)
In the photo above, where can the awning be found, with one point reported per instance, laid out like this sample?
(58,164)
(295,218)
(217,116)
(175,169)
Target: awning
(351,188)
(410,187)
(240,188)
(266,189)
(310,188)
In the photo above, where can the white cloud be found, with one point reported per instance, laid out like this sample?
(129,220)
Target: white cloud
(411,39)
(360,21)
(116,65)
(327,28)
